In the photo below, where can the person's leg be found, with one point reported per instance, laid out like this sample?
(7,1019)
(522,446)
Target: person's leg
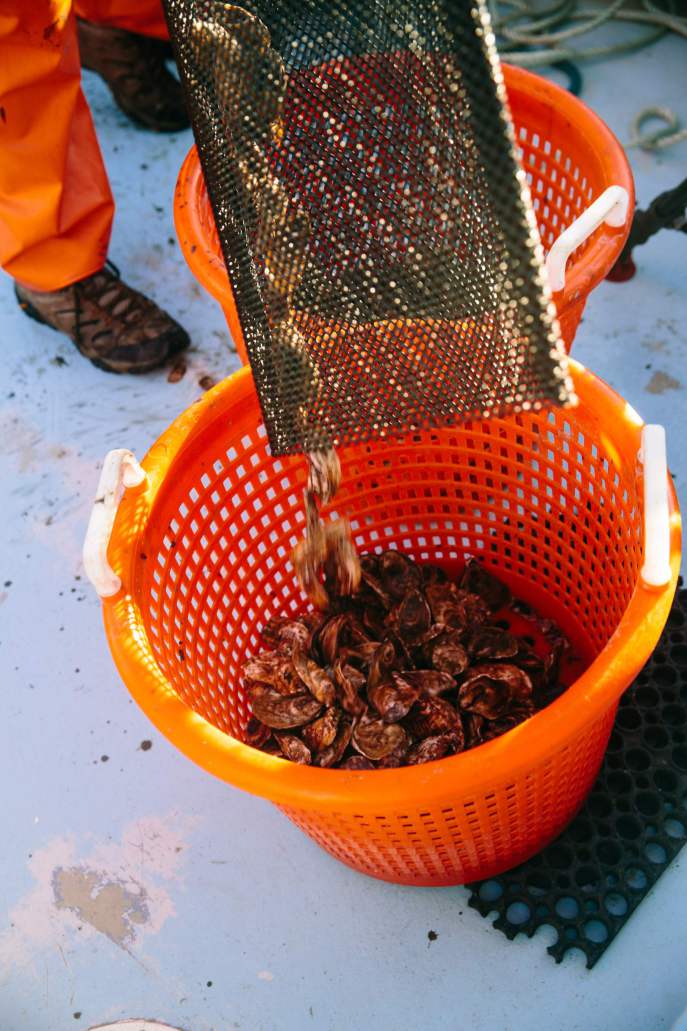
(121,41)
(56,207)
(144,17)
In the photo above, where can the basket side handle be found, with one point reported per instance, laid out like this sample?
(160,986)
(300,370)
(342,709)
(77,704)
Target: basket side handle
(610,207)
(655,571)
(120,470)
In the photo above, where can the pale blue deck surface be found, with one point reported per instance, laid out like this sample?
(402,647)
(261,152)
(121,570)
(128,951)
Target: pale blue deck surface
(238,897)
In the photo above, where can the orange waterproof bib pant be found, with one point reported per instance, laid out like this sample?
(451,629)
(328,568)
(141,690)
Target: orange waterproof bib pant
(56,206)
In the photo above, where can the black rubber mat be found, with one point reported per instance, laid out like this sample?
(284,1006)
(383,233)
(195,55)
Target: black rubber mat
(588,882)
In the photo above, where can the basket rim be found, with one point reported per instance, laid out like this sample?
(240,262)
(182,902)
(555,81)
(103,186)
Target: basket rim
(478,770)
(208,265)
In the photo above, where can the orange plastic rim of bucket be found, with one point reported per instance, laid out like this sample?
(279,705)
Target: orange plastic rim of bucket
(233,403)
(567,152)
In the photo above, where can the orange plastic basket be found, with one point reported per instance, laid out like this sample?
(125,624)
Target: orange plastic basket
(551,501)
(570,156)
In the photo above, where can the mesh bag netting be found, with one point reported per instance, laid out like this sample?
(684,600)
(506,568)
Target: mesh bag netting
(376,226)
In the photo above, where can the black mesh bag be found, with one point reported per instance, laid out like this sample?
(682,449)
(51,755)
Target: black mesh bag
(375,224)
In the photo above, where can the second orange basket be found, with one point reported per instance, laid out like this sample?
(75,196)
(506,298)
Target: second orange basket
(571,159)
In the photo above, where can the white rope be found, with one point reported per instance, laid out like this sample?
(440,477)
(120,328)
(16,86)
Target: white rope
(545,30)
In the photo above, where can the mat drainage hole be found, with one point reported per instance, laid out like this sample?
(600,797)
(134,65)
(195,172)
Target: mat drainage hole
(656,737)
(648,697)
(567,907)
(590,906)
(673,828)
(638,760)
(599,805)
(581,830)
(490,891)
(538,885)
(518,913)
(629,719)
(667,676)
(665,780)
(655,853)
(628,827)
(595,931)
(647,803)
(586,878)
(570,934)
(636,878)
(676,715)
(615,903)
(620,782)
(560,857)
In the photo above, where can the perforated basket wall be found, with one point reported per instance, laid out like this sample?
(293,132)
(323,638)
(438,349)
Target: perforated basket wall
(382,248)
(548,500)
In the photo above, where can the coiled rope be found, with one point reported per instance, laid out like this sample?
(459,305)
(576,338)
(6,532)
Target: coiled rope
(532,36)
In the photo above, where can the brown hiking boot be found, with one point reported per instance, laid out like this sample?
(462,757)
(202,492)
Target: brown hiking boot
(134,68)
(115,326)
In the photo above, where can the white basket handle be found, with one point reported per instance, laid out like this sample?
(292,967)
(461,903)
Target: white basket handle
(611,207)
(656,569)
(120,470)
